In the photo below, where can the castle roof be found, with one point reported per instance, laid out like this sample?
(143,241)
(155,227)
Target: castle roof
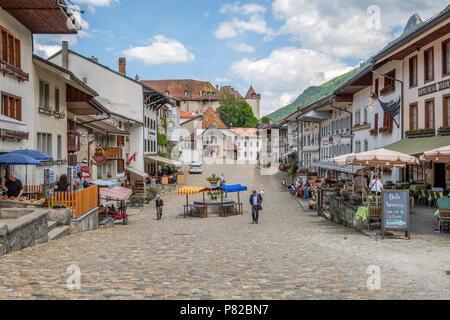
(251,94)
(185,89)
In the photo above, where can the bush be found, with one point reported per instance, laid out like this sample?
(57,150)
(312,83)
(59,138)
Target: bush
(151,194)
(136,198)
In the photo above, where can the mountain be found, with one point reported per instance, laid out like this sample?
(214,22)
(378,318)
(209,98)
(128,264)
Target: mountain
(314,93)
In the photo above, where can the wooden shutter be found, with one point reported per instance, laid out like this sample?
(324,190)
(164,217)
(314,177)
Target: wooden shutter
(19,109)
(427,113)
(376,86)
(17,53)
(5,105)
(376,120)
(12,107)
(445,111)
(411,117)
(10,49)
(4,46)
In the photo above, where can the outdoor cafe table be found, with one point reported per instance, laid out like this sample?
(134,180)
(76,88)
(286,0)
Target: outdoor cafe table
(362,213)
(402,185)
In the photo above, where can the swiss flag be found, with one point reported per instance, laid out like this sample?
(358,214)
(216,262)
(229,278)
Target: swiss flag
(133,157)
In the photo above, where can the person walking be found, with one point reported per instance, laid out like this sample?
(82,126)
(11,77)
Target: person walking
(255,201)
(159,206)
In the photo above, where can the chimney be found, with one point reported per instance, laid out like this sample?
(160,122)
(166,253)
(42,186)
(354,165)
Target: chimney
(65,55)
(123,65)
(94,59)
(136,78)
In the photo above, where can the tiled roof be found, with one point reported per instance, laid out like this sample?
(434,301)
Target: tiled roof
(251,94)
(195,89)
(246,132)
(186,115)
(210,118)
(231,90)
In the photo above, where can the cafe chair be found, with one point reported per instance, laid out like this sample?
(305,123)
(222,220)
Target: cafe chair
(421,196)
(444,221)
(374,215)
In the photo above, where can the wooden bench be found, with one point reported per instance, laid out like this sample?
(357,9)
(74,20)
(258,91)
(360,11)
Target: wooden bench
(188,208)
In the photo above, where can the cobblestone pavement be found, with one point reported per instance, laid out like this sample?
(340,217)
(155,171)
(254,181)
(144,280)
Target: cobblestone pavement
(291,254)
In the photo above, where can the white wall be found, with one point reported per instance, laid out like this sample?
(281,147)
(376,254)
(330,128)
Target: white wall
(24,90)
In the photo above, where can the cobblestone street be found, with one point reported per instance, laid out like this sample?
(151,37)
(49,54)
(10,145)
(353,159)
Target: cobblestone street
(291,254)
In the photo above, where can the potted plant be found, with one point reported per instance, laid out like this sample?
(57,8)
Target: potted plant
(60,213)
(123,217)
(151,195)
(337,191)
(136,200)
(213,180)
(214,194)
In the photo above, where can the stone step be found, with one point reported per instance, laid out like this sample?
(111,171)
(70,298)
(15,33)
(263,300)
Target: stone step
(52,225)
(59,232)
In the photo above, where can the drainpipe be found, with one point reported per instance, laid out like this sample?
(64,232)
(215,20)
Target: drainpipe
(401,126)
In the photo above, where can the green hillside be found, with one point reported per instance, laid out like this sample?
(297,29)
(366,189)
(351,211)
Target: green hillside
(313,94)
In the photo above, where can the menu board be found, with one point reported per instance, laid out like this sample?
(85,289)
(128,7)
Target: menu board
(395,210)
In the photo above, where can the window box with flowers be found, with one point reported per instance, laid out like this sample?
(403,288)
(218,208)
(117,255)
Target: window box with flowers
(385,130)
(361,126)
(444,131)
(387,90)
(373,132)
(421,133)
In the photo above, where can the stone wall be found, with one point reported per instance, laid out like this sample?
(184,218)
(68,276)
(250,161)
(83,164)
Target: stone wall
(342,212)
(20,229)
(87,222)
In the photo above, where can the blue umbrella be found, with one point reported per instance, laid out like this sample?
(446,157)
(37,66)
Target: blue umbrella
(34,154)
(14,158)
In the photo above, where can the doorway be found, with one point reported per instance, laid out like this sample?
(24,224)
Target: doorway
(439,175)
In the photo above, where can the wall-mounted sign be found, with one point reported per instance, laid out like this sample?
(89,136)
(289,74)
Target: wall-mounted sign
(440,86)
(99,157)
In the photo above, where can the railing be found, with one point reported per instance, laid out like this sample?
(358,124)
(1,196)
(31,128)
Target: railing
(12,134)
(34,191)
(14,71)
(78,202)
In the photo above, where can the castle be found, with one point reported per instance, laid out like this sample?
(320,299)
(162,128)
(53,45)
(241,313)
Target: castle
(195,97)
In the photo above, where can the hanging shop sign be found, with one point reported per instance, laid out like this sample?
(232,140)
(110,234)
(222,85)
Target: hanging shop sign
(99,157)
(432,88)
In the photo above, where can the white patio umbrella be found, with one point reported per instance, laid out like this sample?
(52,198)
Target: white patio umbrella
(341,160)
(441,155)
(382,158)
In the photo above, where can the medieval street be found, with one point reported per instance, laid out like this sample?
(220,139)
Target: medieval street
(291,254)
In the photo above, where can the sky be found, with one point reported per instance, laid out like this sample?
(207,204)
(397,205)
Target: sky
(281,47)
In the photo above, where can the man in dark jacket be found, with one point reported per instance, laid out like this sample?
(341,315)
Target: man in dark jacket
(255,201)
(159,206)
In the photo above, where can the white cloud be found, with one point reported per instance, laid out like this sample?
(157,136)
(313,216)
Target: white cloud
(221,80)
(286,72)
(46,51)
(251,8)
(242,47)
(236,27)
(161,50)
(340,28)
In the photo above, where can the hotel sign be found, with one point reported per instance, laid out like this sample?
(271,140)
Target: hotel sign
(434,88)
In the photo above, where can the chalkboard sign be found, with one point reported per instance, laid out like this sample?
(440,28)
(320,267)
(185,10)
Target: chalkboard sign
(395,211)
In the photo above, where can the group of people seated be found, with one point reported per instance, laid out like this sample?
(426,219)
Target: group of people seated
(302,188)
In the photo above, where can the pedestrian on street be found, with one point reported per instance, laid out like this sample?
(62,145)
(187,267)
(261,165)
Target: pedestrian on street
(255,201)
(159,206)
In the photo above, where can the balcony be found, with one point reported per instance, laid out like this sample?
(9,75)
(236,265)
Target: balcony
(114,153)
(13,134)
(18,73)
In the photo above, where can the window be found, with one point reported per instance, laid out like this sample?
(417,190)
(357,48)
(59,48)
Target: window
(44,143)
(376,86)
(10,48)
(186,93)
(429,114)
(446,57)
(44,94)
(413,71)
(120,141)
(413,117)
(366,145)
(446,111)
(429,65)
(11,106)
(389,82)
(56,99)
(59,147)
(365,115)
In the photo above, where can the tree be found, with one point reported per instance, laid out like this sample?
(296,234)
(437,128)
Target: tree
(236,112)
(265,120)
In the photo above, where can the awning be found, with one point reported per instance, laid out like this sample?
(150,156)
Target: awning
(417,146)
(165,160)
(315,116)
(137,172)
(192,190)
(103,183)
(233,188)
(118,193)
(336,167)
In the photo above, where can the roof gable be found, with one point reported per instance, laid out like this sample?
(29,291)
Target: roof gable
(210,118)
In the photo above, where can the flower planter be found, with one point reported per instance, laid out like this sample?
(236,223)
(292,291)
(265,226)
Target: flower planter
(420,134)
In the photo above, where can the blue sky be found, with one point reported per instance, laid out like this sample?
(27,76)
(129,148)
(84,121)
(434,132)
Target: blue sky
(281,46)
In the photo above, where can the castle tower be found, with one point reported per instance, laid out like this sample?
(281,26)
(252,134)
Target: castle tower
(253,99)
